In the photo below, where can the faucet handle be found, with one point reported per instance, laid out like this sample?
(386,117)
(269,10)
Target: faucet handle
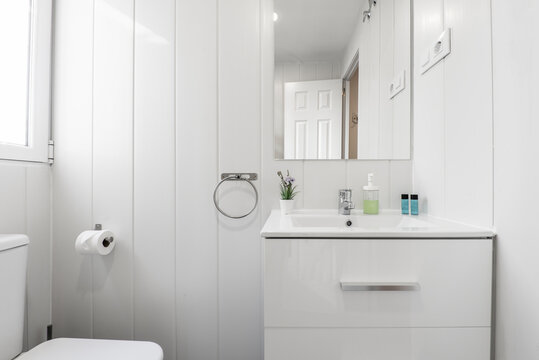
(345,194)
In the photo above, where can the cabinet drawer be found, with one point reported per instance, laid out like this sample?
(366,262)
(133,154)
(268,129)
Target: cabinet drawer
(447,283)
(377,344)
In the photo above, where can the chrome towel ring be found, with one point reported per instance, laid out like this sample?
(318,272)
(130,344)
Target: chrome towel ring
(248,177)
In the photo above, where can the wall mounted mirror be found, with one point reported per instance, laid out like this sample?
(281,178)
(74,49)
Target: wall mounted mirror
(342,79)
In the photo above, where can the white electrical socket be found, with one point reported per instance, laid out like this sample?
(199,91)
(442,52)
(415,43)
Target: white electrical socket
(437,51)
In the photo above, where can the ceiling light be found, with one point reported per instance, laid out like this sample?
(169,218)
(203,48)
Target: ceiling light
(275,16)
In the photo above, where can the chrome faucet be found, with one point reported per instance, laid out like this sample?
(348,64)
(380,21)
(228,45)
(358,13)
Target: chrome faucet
(345,201)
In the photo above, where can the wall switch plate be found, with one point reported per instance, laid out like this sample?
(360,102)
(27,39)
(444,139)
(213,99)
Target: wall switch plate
(437,51)
(398,84)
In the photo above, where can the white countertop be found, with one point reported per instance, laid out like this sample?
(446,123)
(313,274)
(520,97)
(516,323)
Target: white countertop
(388,224)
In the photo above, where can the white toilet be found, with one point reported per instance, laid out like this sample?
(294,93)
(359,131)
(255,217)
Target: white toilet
(13,255)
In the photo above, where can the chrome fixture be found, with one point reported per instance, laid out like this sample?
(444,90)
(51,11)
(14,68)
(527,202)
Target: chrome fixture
(247,177)
(345,201)
(367,13)
(368,286)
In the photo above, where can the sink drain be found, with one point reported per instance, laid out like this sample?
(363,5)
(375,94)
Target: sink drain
(348,222)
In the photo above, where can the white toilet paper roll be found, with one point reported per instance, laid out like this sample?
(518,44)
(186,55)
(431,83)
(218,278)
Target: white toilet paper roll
(95,242)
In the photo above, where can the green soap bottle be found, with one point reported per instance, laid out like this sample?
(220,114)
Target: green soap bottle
(370,197)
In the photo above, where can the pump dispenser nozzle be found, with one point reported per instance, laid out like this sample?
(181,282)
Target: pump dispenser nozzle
(369,185)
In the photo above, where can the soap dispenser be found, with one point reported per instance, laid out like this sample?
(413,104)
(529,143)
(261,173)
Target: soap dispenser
(370,197)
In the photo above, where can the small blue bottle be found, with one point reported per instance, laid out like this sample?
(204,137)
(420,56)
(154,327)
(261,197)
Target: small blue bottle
(414,204)
(405,204)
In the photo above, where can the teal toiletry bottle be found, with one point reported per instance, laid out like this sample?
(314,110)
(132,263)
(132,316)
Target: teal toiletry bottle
(405,204)
(414,204)
(370,197)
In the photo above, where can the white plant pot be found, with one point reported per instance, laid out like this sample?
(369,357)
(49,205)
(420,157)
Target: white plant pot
(287,206)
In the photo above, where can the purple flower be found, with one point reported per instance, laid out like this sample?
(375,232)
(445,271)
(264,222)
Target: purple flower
(289,180)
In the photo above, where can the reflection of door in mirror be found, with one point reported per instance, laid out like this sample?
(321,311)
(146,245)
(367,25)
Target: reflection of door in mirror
(312,119)
(353,116)
(319,40)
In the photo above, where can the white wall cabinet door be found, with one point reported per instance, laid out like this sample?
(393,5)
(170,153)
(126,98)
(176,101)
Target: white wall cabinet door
(313,119)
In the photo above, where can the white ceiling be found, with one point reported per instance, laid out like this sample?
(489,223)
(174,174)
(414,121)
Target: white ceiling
(314,30)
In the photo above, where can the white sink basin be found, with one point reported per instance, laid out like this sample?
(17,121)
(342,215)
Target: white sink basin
(387,224)
(383,221)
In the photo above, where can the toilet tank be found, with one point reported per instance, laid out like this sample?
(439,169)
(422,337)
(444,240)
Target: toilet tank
(13,255)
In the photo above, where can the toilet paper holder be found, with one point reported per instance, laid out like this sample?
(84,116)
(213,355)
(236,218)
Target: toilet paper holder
(106,241)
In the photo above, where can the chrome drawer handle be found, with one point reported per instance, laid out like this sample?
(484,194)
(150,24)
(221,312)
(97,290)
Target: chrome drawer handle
(379,286)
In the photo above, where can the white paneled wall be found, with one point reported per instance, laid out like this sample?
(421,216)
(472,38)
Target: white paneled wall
(516,177)
(154,217)
(72,305)
(25,209)
(153,99)
(239,83)
(453,112)
(112,180)
(196,172)
(146,116)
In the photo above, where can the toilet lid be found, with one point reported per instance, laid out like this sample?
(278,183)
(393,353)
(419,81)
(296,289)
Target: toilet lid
(90,349)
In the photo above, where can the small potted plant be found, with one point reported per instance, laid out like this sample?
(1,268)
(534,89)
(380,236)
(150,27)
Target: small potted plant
(288,192)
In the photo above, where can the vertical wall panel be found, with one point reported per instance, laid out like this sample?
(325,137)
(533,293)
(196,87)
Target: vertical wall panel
(196,174)
(468,113)
(373,88)
(428,110)
(113,165)
(366,74)
(387,59)
(516,175)
(402,117)
(154,174)
(38,207)
(240,325)
(72,185)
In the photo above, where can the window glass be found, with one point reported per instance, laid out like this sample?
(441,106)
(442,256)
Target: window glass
(15,34)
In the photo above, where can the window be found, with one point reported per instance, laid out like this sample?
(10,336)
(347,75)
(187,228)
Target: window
(25,40)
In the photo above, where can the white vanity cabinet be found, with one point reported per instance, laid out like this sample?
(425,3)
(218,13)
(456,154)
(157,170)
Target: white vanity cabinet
(377,299)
